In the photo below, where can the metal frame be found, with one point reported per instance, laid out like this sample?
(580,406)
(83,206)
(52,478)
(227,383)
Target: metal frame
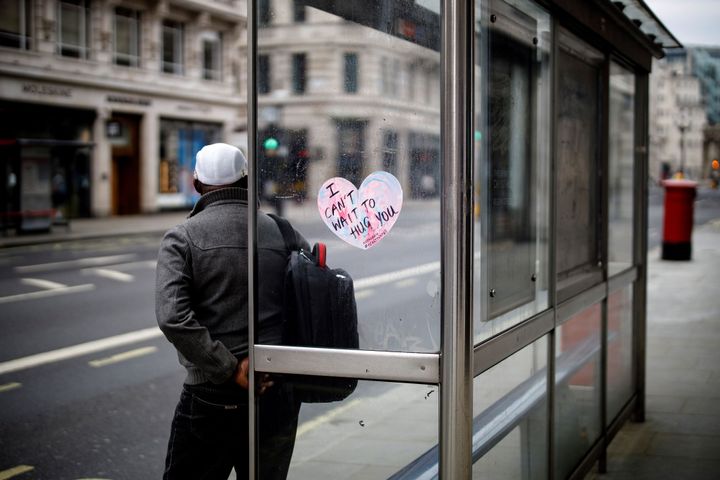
(454,367)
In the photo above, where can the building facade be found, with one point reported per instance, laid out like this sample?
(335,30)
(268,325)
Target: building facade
(321,77)
(677,119)
(104,103)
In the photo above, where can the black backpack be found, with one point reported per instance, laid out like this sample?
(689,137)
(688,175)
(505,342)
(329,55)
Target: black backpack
(319,311)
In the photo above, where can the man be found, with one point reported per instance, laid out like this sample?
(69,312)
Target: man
(201,304)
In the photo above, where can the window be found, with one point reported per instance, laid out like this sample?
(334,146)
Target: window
(15,26)
(263,74)
(264,12)
(390,148)
(351,73)
(73,28)
(172,47)
(212,56)
(298,11)
(298,73)
(127,37)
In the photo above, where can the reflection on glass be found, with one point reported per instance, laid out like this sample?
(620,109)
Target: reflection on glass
(369,103)
(621,168)
(578,202)
(372,434)
(577,389)
(512,162)
(510,417)
(620,384)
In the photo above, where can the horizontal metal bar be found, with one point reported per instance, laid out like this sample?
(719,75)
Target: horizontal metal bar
(576,284)
(580,302)
(586,464)
(620,420)
(498,348)
(361,364)
(621,280)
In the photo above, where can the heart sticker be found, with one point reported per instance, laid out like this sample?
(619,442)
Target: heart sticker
(361,217)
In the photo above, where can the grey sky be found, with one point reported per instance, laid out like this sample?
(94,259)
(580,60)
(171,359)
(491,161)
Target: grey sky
(693,22)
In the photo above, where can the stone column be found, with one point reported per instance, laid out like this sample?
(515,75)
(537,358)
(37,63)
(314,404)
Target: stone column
(101,166)
(149,162)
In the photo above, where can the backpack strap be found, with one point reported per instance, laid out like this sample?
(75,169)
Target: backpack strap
(287,231)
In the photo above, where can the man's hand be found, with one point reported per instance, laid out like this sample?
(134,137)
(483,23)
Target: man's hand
(241,377)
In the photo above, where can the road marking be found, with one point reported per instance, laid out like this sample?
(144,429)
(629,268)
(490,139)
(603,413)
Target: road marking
(121,357)
(10,386)
(77,263)
(47,293)
(111,274)
(40,283)
(15,471)
(406,283)
(79,350)
(364,294)
(129,265)
(397,275)
(322,419)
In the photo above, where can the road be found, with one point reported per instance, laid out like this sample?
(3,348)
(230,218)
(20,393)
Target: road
(88,384)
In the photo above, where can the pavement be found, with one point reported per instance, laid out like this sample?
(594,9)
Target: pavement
(680,438)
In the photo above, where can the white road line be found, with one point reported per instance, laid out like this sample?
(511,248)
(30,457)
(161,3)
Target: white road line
(391,277)
(111,274)
(79,263)
(47,293)
(360,295)
(40,283)
(10,386)
(409,282)
(121,357)
(15,471)
(79,350)
(317,421)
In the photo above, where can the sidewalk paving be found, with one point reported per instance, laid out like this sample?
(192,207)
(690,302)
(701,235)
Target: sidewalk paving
(680,438)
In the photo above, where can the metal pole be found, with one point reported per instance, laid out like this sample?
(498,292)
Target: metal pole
(456,244)
(252,229)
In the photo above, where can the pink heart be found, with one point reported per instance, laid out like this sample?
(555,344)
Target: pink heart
(362,217)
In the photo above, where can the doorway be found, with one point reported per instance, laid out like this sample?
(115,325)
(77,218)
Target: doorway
(123,134)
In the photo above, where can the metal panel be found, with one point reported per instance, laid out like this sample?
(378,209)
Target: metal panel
(502,346)
(622,280)
(252,230)
(456,247)
(362,364)
(580,302)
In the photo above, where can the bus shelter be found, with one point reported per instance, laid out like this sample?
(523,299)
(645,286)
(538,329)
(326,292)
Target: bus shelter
(501,293)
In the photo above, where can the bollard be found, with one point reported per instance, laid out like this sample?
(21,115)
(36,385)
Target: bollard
(678,220)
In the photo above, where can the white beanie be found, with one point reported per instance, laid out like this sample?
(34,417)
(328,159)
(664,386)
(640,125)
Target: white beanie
(220,164)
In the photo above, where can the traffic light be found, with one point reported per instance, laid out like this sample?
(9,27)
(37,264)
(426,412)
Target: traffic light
(715,164)
(271,144)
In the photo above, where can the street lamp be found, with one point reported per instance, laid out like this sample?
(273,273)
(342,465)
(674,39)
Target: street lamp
(683,123)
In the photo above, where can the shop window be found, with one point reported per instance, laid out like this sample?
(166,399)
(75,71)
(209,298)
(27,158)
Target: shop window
(264,12)
(263,74)
(127,37)
(15,23)
(512,138)
(351,73)
(212,56)
(578,177)
(179,143)
(172,47)
(298,72)
(73,28)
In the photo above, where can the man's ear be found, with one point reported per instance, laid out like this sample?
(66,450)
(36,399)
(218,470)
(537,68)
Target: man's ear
(198,186)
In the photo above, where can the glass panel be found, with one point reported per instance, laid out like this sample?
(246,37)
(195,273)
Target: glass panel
(578,192)
(577,389)
(72,35)
(172,47)
(371,434)
(15,23)
(212,55)
(511,152)
(621,146)
(127,37)
(510,417)
(620,384)
(304,141)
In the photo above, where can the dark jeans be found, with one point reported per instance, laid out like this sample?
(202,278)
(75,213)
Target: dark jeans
(209,433)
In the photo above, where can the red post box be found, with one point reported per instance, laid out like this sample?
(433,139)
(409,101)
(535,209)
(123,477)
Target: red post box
(678,221)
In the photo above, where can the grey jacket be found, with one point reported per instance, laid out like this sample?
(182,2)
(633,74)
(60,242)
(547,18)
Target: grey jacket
(201,295)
